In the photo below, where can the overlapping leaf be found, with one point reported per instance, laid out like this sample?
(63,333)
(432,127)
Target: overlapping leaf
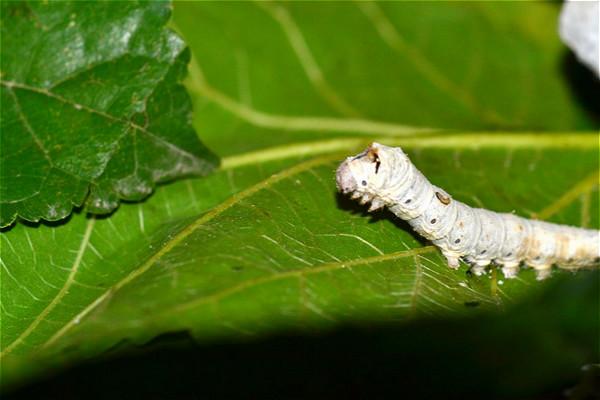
(91,104)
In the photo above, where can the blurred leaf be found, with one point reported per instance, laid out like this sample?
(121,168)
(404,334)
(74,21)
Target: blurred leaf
(91,103)
(266,245)
(374,68)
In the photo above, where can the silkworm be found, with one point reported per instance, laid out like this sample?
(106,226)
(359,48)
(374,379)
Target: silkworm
(385,177)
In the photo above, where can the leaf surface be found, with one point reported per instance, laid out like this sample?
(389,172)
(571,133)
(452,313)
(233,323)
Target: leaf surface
(304,258)
(91,104)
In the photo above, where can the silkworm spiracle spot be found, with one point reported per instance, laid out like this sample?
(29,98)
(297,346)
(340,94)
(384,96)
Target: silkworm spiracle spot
(443,198)
(478,236)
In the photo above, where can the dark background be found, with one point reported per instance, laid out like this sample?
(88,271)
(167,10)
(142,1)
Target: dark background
(531,351)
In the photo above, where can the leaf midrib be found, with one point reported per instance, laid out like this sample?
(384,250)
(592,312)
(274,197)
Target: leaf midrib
(474,140)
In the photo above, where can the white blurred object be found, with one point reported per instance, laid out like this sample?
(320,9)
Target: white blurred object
(578,28)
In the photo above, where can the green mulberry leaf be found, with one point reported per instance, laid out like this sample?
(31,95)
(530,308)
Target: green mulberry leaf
(92,108)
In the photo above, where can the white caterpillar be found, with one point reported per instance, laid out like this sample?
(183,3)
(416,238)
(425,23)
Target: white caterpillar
(384,176)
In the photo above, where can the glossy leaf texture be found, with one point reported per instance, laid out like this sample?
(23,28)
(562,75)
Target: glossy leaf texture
(266,245)
(92,108)
(269,246)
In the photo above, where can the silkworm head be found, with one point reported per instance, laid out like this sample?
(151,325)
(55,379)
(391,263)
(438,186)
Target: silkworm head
(365,172)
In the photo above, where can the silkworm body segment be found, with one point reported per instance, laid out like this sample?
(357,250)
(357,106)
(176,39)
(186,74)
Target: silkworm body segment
(385,177)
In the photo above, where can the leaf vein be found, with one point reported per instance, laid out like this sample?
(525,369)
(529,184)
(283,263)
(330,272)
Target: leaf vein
(310,66)
(63,291)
